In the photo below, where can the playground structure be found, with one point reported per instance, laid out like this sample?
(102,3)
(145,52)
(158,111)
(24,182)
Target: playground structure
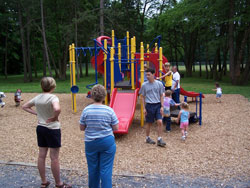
(122,68)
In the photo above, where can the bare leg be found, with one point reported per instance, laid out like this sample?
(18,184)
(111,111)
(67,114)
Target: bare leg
(182,132)
(159,130)
(148,125)
(41,163)
(55,166)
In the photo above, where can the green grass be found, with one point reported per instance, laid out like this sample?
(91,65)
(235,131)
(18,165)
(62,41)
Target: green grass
(194,83)
(63,86)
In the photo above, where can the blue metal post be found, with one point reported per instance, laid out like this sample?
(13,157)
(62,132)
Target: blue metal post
(196,111)
(200,116)
(185,98)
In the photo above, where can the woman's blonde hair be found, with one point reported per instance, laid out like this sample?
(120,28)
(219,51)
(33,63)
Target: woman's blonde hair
(98,93)
(184,105)
(48,83)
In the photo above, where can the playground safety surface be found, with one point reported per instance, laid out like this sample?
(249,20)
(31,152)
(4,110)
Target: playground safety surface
(218,151)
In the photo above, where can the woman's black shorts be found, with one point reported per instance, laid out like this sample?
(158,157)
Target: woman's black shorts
(50,138)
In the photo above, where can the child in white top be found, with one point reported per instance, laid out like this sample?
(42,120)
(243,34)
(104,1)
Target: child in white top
(218,92)
(2,95)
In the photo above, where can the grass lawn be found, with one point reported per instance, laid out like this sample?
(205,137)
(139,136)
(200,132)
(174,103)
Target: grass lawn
(195,83)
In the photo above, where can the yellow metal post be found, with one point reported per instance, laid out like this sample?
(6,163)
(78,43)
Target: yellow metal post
(119,56)
(105,70)
(160,61)
(72,75)
(132,63)
(156,48)
(128,52)
(148,51)
(142,79)
(112,69)
(113,38)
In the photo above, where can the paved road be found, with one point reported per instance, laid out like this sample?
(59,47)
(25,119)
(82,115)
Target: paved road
(16,176)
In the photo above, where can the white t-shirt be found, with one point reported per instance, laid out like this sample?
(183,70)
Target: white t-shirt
(218,90)
(176,77)
(44,108)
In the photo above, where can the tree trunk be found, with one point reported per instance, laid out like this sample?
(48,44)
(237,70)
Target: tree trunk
(44,63)
(190,51)
(231,40)
(54,64)
(44,39)
(6,52)
(207,61)
(28,48)
(101,17)
(76,56)
(34,65)
(23,41)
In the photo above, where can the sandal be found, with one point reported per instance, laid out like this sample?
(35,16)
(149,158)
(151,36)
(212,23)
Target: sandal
(64,185)
(45,185)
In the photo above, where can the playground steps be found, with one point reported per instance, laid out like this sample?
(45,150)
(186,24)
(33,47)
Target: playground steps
(123,85)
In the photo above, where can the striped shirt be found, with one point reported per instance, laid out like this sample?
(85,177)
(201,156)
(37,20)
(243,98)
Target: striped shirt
(98,120)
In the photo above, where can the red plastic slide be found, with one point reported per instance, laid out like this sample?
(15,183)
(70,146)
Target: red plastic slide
(100,67)
(190,93)
(100,56)
(124,106)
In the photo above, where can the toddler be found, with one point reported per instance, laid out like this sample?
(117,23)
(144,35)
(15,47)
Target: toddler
(17,97)
(183,118)
(218,92)
(2,95)
(168,101)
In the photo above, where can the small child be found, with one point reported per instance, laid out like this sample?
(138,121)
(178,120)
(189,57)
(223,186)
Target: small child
(218,92)
(17,97)
(2,95)
(183,118)
(168,101)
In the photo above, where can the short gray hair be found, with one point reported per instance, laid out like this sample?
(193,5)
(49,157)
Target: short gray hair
(98,93)
(48,83)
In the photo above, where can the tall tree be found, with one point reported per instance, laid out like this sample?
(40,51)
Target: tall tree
(23,41)
(44,39)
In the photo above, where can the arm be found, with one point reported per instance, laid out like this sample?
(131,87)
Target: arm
(144,104)
(57,111)
(163,76)
(82,127)
(162,101)
(28,108)
(179,117)
(115,127)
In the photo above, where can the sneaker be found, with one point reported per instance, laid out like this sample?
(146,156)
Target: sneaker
(183,138)
(150,141)
(186,133)
(161,143)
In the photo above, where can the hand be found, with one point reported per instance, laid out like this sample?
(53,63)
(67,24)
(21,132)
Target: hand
(161,111)
(52,119)
(157,78)
(145,111)
(177,121)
